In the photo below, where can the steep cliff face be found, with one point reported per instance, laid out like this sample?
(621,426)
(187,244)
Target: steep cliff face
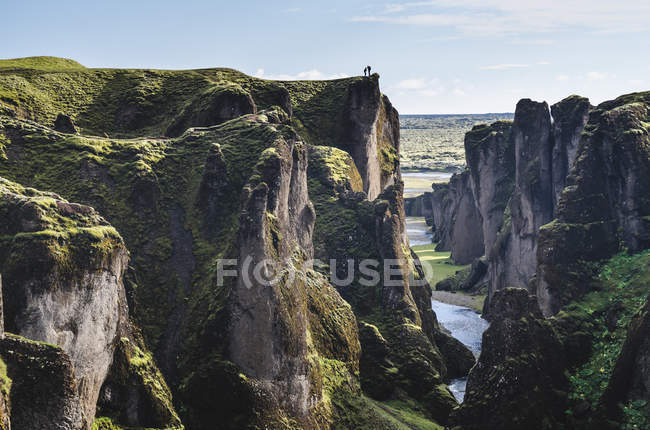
(419,206)
(467,232)
(592,277)
(513,261)
(583,368)
(44,391)
(442,211)
(544,142)
(456,220)
(371,135)
(605,204)
(569,120)
(515,373)
(72,295)
(269,323)
(241,354)
(401,343)
(491,160)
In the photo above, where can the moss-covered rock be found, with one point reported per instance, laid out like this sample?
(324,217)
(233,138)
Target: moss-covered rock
(44,391)
(574,370)
(397,329)
(134,393)
(233,184)
(62,266)
(520,368)
(604,207)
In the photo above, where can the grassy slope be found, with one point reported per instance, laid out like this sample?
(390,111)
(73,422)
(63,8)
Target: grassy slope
(41,63)
(439,262)
(441,267)
(623,284)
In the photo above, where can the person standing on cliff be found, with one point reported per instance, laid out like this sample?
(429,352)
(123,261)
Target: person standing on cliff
(365,71)
(368,67)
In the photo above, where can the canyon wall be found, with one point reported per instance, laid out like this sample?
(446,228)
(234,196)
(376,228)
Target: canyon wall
(516,173)
(585,366)
(231,176)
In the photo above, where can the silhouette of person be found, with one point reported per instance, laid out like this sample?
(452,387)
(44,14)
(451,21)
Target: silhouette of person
(365,71)
(368,70)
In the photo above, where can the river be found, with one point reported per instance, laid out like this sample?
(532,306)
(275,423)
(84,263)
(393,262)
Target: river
(463,323)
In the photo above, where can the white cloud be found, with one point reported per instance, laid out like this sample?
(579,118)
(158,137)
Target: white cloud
(562,78)
(420,86)
(534,42)
(509,17)
(543,63)
(411,84)
(292,10)
(458,92)
(504,66)
(636,81)
(597,76)
(309,75)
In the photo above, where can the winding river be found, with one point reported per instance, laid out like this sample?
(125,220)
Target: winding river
(463,323)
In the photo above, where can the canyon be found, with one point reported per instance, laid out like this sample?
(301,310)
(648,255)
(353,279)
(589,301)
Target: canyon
(122,192)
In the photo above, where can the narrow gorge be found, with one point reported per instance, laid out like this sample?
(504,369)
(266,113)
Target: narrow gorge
(137,205)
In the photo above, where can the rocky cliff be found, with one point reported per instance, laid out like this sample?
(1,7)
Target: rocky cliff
(63,268)
(456,220)
(490,159)
(545,143)
(206,168)
(516,173)
(585,365)
(419,206)
(605,204)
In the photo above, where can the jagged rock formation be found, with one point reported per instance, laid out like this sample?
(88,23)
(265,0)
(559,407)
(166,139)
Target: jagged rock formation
(513,261)
(71,296)
(516,173)
(44,391)
(591,356)
(455,219)
(235,184)
(490,158)
(515,373)
(605,205)
(419,206)
(544,148)
(442,214)
(371,135)
(404,346)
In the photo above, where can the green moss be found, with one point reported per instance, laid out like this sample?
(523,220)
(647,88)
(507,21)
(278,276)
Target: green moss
(622,284)
(152,190)
(439,262)
(3,145)
(335,167)
(41,63)
(352,409)
(5,381)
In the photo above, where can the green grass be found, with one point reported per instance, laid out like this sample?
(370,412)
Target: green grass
(41,63)
(625,281)
(408,414)
(441,265)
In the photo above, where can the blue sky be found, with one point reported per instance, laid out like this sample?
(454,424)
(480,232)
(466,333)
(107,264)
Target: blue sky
(440,56)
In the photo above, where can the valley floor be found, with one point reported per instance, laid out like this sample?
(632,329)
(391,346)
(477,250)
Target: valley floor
(442,267)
